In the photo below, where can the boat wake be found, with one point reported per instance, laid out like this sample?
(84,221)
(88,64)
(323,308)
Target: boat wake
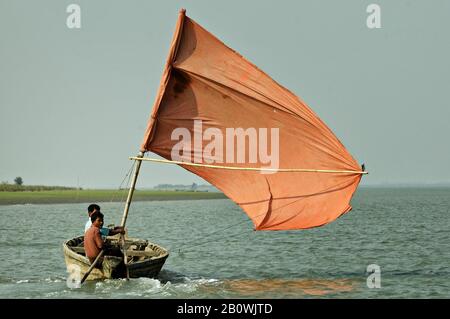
(153,288)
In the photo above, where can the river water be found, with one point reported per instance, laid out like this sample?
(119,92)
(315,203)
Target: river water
(214,252)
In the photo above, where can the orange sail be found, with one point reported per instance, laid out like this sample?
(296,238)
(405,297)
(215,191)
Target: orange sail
(208,90)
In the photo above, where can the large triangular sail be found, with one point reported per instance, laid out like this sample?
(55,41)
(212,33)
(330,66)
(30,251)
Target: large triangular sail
(209,90)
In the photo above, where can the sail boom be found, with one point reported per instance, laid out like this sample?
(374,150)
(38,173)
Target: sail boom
(260,169)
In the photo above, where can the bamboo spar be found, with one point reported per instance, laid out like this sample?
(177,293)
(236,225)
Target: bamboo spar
(276,170)
(132,187)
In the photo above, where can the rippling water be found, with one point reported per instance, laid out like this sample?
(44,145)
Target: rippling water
(214,253)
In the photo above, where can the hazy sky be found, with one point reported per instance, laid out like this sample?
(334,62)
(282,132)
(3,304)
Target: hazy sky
(74,103)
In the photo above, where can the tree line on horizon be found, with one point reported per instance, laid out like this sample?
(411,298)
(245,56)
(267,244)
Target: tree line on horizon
(18,186)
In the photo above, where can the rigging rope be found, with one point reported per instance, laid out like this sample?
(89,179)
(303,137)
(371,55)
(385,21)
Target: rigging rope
(210,234)
(128,174)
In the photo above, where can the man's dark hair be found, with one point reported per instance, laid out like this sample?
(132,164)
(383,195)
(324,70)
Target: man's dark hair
(96,215)
(93,207)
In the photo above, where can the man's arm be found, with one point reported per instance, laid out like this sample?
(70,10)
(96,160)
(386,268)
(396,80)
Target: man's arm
(117,230)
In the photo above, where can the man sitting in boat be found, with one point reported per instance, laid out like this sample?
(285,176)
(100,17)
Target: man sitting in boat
(103,230)
(93,241)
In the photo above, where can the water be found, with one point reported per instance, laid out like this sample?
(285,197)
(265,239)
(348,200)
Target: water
(214,252)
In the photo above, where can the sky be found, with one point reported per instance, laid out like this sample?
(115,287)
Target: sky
(74,103)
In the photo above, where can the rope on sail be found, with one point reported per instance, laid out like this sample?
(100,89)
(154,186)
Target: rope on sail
(191,243)
(279,170)
(196,243)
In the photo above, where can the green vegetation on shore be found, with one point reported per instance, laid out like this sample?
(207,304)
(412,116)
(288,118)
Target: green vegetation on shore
(5,187)
(57,196)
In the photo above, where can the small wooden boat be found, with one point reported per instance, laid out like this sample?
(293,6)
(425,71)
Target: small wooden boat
(144,259)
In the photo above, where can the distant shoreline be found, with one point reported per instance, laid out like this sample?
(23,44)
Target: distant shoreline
(72,196)
(93,196)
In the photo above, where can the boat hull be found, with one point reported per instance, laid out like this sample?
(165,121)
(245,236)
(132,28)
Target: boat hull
(144,259)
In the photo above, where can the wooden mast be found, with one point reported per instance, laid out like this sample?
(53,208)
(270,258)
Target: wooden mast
(132,187)
(127,208)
